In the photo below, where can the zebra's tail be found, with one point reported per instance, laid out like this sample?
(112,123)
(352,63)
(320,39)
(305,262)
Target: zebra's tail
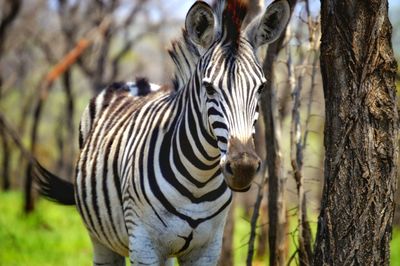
(53,187)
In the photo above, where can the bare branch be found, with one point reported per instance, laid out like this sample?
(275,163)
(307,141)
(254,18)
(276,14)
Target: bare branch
(253,224)
(297,142)
(44,88)
(115,62)
(12,133)
(275,194)
(11,10)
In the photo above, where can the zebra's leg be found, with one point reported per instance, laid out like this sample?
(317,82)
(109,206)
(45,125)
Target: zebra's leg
(207,255)
(202,257)
(143,251)
(104,256)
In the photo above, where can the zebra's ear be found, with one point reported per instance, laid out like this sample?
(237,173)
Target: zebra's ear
(200,24)
(269,26)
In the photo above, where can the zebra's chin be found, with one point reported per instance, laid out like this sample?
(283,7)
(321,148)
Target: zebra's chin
(238,184)
(241,190)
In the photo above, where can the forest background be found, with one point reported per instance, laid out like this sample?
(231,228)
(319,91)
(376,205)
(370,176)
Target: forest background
(56,54)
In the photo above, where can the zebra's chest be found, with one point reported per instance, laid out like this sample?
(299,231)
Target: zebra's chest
(175,236)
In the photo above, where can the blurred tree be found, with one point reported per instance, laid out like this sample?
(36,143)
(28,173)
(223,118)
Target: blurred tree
(98,62)
(8,13)
(276,180)
(361,134)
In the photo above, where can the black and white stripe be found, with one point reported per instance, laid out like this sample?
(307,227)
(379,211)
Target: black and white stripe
(149,183)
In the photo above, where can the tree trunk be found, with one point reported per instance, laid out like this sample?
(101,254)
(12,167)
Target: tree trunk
(226,258)
(275,176)
(5,172)
(276,182)
(67,152)
(361,135)
(8,14)
(396,219)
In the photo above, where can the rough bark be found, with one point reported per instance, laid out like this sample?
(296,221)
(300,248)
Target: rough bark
(361,134)
(396,218)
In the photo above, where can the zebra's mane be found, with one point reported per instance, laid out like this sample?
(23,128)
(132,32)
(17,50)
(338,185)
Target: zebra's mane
(185,54)
(231,20)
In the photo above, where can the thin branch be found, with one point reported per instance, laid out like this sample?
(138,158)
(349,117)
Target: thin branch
(276,211)
(12,133)
(44,88)
(253,224)
(314,50)
(115,62)
(292,257)
(297,145)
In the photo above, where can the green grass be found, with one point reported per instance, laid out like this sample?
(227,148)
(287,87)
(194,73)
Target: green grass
(241,237)
(52,235)
(55,235)
(395,248)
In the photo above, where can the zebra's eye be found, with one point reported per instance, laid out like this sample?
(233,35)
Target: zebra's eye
(209,88)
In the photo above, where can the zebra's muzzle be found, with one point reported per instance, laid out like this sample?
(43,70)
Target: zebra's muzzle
(241,165)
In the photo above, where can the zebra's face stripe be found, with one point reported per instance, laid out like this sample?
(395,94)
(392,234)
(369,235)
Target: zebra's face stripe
(231,89)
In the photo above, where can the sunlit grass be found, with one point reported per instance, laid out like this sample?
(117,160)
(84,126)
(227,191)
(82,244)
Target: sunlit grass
(395,248)
(52,235)
(55,235)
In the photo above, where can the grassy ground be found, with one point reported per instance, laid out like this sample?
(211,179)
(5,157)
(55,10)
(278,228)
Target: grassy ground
(55,235)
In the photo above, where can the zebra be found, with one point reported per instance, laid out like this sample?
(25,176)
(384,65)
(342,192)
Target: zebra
(158,164)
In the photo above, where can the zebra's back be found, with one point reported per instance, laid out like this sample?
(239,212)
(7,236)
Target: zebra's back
(98,179)
(131,93)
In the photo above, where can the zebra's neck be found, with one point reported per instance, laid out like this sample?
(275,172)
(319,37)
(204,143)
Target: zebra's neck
(192,147)
(183,170)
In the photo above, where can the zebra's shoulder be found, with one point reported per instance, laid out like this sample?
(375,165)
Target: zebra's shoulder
(136,91)
(140,87)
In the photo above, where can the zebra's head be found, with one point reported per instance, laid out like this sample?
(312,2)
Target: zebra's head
(231,78)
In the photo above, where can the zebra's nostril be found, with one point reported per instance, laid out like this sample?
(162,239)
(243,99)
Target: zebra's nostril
(258,167)
(228,168)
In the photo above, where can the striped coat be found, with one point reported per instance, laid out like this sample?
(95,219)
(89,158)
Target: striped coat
(158,165)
